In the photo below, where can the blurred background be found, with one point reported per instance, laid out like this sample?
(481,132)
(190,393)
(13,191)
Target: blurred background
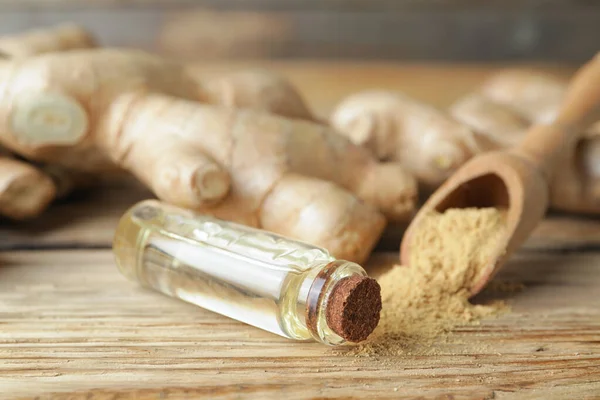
(564,31)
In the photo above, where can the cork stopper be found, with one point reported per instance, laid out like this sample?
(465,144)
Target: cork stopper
(353,308)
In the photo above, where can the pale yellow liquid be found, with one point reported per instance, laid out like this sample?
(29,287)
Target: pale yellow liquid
(246,274)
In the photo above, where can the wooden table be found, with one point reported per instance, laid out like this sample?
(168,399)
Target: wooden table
(71,327)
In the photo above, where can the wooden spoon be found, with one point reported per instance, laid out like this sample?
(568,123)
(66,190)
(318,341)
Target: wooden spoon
(518,179)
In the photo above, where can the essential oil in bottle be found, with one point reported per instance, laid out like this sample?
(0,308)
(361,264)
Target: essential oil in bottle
(287,287)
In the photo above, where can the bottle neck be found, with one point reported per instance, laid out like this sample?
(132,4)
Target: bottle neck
(319,296)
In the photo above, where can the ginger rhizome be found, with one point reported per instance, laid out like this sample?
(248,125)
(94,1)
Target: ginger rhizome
(254,89)
(100,110)
(432,144)
(26,188)
(534,98)
(395,127)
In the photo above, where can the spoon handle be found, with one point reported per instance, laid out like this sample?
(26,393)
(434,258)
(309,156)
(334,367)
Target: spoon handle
(547,145)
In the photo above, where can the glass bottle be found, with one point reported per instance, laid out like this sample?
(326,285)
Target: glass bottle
(287,287)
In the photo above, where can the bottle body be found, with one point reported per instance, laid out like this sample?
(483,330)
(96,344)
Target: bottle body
(274,283)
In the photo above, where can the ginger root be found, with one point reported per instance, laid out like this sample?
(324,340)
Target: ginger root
(100,110)
(535,97)
(428,143)
(258,90)
(395,127)
(497,127)
(26,189)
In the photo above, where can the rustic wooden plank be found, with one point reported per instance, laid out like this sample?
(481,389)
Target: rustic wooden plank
(214,29)
(87,220)
(75,327)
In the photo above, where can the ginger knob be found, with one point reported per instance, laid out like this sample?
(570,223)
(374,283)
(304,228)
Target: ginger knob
(48,118)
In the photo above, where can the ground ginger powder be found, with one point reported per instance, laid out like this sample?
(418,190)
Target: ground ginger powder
(448,254)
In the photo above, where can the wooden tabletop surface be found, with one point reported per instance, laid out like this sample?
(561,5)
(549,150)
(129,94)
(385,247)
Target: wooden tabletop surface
(71,327)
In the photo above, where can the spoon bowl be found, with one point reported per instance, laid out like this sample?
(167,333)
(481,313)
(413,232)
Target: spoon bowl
(517,180)
(496,179)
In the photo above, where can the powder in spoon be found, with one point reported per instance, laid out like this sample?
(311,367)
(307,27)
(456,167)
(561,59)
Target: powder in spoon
(449,252)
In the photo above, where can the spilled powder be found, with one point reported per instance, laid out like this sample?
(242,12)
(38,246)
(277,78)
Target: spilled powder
(422,303)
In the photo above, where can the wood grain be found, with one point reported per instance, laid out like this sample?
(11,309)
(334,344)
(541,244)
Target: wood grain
(87,220)
(75,327)
(71,327)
